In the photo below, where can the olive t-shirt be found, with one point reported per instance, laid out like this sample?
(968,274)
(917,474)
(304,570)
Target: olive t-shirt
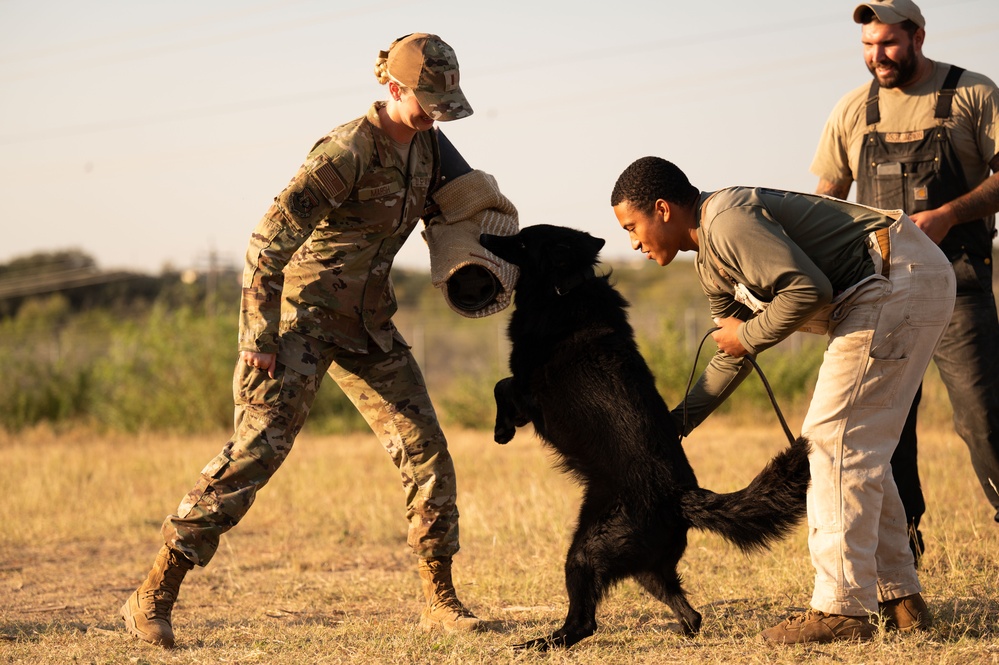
(973,125)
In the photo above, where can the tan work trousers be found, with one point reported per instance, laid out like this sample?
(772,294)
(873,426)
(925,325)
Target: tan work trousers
(880,343)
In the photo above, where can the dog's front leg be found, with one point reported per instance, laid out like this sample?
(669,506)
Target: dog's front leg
(509,412)
(586,580)
(580,622)
(557,640)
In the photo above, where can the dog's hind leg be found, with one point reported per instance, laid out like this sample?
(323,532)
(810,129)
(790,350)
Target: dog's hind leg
(666,586)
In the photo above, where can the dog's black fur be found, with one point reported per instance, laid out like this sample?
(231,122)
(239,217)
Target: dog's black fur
(579,378)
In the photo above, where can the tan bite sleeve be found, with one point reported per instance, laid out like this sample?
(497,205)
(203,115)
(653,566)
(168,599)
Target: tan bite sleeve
(471,205)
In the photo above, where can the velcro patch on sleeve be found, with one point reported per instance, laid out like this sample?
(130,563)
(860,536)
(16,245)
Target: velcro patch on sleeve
(330,181)
(303,202)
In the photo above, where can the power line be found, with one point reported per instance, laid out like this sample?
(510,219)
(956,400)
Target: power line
(287,100)
(226,108)
(194,43)
(133,34)
(571,57)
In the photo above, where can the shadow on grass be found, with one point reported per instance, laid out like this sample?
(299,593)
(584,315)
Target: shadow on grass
(970,618)
(27,632)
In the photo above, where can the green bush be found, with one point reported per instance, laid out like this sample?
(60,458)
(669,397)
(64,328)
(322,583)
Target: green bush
(790,369)
(469,403)
(169,368)
(167,365)
(163,369)
(43,384)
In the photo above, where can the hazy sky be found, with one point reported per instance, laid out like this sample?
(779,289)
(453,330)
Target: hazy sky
(149,134)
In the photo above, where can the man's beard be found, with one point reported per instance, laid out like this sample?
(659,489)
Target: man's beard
(902,73)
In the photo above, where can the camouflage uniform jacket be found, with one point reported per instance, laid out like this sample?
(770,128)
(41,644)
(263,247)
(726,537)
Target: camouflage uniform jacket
(318,262)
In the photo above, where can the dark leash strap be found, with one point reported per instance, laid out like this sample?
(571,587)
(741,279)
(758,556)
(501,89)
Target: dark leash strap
(766,384)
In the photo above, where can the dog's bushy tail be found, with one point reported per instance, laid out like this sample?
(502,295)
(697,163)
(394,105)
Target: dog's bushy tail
(763,512)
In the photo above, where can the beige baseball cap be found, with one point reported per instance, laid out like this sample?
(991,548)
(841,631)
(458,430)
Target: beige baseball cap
(890,12)
(427,65)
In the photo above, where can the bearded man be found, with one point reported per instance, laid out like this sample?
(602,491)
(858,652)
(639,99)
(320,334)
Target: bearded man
(922,137)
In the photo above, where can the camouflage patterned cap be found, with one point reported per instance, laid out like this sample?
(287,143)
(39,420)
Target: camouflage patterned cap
(428,66)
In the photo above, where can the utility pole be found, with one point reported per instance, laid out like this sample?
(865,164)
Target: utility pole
(211,284)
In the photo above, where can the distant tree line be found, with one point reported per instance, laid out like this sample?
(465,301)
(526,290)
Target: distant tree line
(157,352)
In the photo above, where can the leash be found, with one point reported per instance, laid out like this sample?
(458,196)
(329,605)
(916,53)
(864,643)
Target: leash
(766,384)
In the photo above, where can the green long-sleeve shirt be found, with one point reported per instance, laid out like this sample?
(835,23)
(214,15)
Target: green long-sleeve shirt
(793,252)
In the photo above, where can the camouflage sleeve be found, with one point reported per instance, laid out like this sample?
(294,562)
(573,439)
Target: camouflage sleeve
(320,185)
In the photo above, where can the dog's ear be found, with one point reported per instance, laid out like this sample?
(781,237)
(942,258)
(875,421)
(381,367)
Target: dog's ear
(571,252)
(596,244)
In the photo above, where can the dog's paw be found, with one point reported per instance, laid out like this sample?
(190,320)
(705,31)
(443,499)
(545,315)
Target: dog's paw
(560,639)
(503,434)
(540,644)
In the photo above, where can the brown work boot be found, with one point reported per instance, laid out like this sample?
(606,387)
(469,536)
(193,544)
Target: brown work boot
(815,626)
(443,610)
(906,614)
(147,611)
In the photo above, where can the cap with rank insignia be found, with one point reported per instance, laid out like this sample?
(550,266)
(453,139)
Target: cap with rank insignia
(427,65)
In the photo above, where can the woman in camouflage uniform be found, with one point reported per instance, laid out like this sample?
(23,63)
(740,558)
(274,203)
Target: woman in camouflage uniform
(317,300)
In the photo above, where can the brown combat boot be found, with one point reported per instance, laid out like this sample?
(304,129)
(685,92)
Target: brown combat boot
(147,611)
(906,614)
(815,626)
(443,610)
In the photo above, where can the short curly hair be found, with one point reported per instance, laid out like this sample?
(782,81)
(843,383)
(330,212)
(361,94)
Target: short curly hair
(649,179)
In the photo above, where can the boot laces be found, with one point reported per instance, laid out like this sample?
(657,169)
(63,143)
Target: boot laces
(805,617)
(162,596)
(445,596)
(160,600)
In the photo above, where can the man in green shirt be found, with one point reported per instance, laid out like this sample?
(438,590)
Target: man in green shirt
(772,262)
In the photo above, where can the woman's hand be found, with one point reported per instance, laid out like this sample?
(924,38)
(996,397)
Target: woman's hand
(262,361)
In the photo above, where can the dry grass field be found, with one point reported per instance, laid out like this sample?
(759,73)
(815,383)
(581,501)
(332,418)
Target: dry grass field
(319,571)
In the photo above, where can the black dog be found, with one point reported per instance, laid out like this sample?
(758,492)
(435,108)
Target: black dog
(579,378)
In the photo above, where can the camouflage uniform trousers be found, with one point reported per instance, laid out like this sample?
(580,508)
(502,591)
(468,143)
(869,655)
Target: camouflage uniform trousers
(387,389)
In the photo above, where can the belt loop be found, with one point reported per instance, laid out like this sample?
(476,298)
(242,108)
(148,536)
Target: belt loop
(884,248)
